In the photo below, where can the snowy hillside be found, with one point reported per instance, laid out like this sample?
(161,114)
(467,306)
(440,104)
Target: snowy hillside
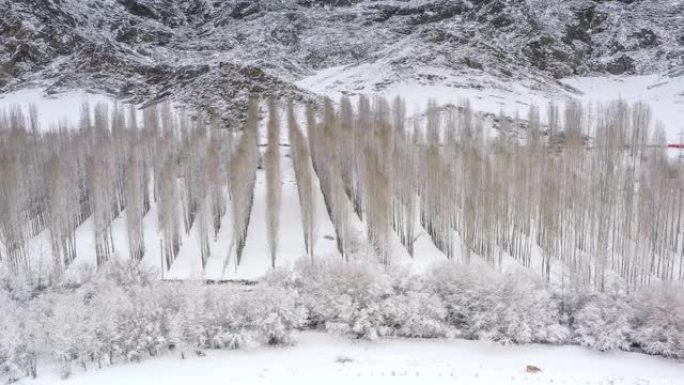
(63,108)
(143,50)
(664,93)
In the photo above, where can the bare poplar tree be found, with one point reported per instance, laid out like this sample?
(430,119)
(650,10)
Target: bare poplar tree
(301,160)
(168,209)
(273,187)
(135,202)
(244,164)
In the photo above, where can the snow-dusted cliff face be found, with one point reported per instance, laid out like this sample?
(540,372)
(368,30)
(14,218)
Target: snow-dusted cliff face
(213,51)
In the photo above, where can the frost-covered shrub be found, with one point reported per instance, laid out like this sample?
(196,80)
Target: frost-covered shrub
(508,308)
(142,324)
(20,342)
(23,332)
(344,297)
(118,314)
(232,317)
(659,322)
(466,295)
(416,314)
(105,329)
(125,274)
(470,295)
(404,281)
(11,362)
(71,328)
(127,315)
(274,313)
(602,322)
(6,323)
(97,322)
(14,287)
(280,277)
(121,314)
(557,334)
(526,311)
(208,320)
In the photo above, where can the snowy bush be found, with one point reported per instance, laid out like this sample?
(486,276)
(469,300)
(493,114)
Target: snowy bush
(142,324)
(526,311)
(659,322)
(280,277)
(602,322)
(232,317)
(65,336)
(121,314)
(508,308)
(18,344)
(275,314)
(345,297)
(362,300)
(465,295)
(207,320)
(416,314)
(15,287)
(125,274)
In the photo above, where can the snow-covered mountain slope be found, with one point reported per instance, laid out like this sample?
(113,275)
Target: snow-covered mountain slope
(212,52)
(663,92)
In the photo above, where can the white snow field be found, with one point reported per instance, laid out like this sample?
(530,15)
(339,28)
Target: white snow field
(319,358)
(53,110)
(486,93)
(664,94)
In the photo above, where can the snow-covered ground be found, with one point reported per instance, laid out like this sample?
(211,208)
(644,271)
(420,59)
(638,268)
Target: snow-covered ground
(485,93)
(664,94)
(53,110)
(319,358)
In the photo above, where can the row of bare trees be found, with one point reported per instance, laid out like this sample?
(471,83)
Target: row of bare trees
(186,169)
(326,154)
(587,195)
(112,164)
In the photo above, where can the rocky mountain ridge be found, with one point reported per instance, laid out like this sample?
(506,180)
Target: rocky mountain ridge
(212,52)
